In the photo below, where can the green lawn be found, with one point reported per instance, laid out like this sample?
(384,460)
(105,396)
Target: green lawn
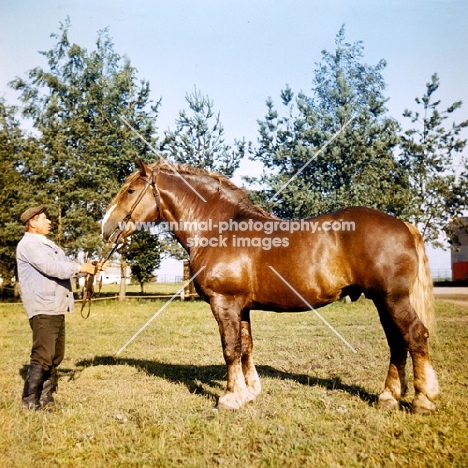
(150,289)
(153,405)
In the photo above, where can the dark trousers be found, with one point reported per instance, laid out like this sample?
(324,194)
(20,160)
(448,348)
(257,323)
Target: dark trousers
(48,347)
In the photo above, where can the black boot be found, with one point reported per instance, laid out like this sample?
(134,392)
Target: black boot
(49,387)
(33,387)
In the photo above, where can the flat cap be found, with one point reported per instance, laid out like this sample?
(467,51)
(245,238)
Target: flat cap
(31,212)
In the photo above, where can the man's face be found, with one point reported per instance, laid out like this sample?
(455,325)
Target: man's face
(40,225)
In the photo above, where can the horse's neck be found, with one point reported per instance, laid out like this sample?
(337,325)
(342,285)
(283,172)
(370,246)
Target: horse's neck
(194,201)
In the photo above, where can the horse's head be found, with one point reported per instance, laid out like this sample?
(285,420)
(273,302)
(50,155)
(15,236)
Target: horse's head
(137,202)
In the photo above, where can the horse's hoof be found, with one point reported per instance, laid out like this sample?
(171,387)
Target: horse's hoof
(229,402)
(232,401)
(387,401)
(422,404)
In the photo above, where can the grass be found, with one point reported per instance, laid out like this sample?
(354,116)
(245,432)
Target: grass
(153,405)
(135,290)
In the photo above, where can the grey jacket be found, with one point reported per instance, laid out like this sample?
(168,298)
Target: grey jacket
(44,273)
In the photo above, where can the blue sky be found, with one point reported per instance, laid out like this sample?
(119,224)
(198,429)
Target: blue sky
(241,52)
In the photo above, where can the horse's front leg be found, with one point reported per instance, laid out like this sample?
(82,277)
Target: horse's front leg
(228,315)
(248,368)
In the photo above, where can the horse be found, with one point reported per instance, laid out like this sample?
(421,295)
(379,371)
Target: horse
(245,259)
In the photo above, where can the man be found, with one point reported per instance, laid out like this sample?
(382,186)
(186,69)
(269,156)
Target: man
(44,273)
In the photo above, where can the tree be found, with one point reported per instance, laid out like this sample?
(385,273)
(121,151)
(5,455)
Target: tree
(437,193)
(143,256)
(15,195)
(198,139)
(335,148)
(86,150)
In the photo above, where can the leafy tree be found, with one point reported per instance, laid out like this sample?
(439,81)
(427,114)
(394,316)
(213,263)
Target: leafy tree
(198,139)
(334,148)
(15,195)
(143,256)
(437,194)
(85,149)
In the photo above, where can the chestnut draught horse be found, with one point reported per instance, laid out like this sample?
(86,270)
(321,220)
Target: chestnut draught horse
(245,259)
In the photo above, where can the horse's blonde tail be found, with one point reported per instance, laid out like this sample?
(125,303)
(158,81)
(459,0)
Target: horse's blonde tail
(421,291)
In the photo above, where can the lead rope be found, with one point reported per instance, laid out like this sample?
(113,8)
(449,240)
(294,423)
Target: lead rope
(88,288)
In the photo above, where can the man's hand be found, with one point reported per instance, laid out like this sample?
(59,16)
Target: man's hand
(87,268)
(93,267)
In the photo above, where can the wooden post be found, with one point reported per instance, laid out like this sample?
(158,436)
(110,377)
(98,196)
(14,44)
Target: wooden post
(190,288)
(123,279)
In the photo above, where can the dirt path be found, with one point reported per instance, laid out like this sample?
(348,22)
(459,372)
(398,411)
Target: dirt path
(457,296)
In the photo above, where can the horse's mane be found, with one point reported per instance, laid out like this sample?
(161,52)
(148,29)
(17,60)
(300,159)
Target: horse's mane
(238,193)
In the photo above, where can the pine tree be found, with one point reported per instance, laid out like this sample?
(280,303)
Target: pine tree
(15,194)
(437,193)
(335,148)
(198,139)
(85,149)
(143,256)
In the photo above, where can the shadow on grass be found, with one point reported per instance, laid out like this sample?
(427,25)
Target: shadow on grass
(198,378)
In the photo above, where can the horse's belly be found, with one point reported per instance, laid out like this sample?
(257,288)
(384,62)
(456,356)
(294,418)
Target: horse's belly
(287,296)
(274,282)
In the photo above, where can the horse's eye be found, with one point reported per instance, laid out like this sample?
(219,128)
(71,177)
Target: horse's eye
(130,191)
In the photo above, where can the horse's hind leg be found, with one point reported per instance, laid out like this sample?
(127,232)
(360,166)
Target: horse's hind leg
(415,335)
(248,368)
(228,315)
(395,383)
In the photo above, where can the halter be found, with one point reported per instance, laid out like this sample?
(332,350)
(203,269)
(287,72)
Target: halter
(112,244)
(149,181)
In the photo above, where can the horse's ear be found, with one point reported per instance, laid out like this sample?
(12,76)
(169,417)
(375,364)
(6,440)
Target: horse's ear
(142,167)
